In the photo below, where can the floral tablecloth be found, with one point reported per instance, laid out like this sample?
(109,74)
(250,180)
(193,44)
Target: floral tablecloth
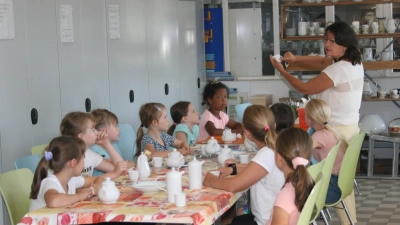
(202,207)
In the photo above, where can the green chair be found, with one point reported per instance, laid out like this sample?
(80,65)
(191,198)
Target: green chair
(348,171)
(305,215)
(326,170)
(38,150)
(15,187)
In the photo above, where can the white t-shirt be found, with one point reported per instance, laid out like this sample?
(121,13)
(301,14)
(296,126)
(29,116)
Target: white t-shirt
(51,182)
(344,98)
(264,192)
(92,160)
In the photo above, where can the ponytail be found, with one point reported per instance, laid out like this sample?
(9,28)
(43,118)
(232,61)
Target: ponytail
(338,136)
(171,129)
(270,138)
(40,174)
(302,183)
(140,134)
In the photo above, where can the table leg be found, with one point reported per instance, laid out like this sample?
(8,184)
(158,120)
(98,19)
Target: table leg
(395,159)
(370,170)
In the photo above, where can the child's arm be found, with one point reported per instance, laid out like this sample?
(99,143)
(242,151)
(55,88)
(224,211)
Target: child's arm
(104,142)
(235,126)
(182,147)
(181,136)
(116,172)
(94,182)
(55,199)
(155,153)
(280,216)
(212,130)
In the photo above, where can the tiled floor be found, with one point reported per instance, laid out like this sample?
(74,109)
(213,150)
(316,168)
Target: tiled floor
(378,204)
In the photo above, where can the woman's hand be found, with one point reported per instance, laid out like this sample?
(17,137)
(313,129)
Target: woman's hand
(208,178)
(289,57)
(226,171)
(229,161)
(277,65)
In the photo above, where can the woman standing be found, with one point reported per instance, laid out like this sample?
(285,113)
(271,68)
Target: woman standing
(339,84)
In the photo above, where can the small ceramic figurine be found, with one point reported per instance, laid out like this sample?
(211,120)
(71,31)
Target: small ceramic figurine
(228,136)
(212,146)
(108,193)
(226,153)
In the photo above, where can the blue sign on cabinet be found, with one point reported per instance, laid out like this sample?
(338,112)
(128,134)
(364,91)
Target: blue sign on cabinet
(214,39)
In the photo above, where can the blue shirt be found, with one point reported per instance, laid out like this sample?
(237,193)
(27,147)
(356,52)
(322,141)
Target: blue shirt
(101,151)
(191,135)
(147,139)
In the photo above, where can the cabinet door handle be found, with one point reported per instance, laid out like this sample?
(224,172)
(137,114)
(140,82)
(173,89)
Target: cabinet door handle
(88,104)
(198,82)
(34,116)
(166,89)
(131,96)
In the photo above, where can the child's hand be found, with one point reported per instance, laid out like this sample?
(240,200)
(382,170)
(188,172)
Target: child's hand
(85,193)
(185,149)
(102,138)
(121,167)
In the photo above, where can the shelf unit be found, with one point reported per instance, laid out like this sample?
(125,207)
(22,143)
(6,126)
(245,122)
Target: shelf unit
(376,65)
(328,3)
(376,99)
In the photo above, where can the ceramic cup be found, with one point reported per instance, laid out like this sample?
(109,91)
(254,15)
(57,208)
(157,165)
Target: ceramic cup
(356,29)
(355,23)
(277,57)
(321,31)
(316,25)
(387,55)
(180,199)
(375,27)
(244,159)
(311,31)
(365,29)
(157,161)
(133,175)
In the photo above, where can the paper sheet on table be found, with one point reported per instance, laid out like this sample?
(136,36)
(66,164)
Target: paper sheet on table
(66,24)
(7,29)
(113,21)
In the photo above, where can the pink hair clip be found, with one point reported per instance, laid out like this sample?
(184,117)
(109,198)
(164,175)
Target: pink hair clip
(174,123)
(299,161)
(266,128)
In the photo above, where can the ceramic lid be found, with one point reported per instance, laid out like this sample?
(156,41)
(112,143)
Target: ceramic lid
(174,153)
(108,181)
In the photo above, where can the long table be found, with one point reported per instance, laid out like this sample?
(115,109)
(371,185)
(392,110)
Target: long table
(203,206)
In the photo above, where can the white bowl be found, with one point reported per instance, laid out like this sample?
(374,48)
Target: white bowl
(372,124)
(149,186)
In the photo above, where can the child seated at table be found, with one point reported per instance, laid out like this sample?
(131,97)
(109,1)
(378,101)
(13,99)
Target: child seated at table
(57,176)
(82,125)
(214,119)
(293,149)
(324,139)
(284,116)
(108,122)
(185,118)
(261,175)
(154,117)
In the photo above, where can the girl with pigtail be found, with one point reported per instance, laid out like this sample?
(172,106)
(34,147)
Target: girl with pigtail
(293,149)
(58,175)
(261,175)
(324,138)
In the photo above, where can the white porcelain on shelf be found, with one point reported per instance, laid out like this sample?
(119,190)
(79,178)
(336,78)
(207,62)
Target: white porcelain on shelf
(148,186)
(108,193)
(372,124)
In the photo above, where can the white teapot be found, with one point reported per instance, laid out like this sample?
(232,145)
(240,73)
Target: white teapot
(174,184)
(143,166)
(175,159)
(391,24)
(108,193)
(195,174)
(226,153)
(228,136)
(212,146)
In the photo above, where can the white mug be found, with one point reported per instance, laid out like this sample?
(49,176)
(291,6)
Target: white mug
(311,31)
(133,175)
(180,199)
(316,25)
(355,23)
(365,29)
(244,159)
(375,27)
(321,31)
(387,55)
(157,161)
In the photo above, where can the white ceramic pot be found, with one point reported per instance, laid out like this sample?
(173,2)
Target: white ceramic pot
(372,124)
(195,174)
(108,193)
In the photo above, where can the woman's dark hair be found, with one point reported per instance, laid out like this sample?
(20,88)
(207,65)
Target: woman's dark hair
(284,116)
(345,36)
(178,110)
(291,143)
(210,89)
(62,149)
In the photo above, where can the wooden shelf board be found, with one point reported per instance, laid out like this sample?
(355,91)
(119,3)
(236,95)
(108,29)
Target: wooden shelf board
(320,37)
(340,2)
(376,99)
(377,65)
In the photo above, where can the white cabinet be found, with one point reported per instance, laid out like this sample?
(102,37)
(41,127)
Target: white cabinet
(83,63)
(163,51)
(127,59)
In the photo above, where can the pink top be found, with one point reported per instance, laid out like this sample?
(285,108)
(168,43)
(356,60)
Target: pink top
(218,123)
(328,140)
(285,200)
